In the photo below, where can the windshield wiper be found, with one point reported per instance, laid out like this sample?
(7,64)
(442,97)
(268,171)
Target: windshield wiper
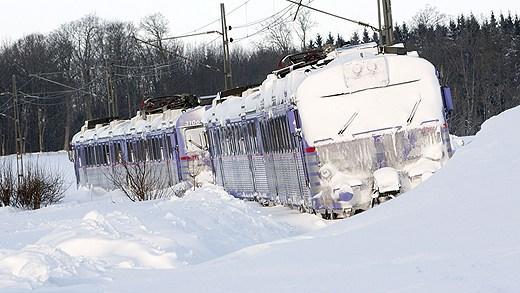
(350,120)
(414,110)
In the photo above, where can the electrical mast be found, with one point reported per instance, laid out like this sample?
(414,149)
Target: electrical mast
(228,81)
(387,31)
(18,135)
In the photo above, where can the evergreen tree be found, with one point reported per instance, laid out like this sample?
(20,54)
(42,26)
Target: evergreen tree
(330,39)
(375,37)
(319,41)
(311,44)
(340,42)
(366,37)
(354,40)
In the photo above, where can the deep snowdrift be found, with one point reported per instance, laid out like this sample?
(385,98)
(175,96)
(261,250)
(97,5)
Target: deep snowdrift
(457,232)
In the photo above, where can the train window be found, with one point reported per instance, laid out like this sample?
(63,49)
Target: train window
(157,148)
(254,137)
(273,134)
(227,135)
(151,149)
(193,139)
(90,157)
(247,138)
(129,151)
(239,139)
(218,141)
(215,143)
(117,152)
(231,142)
(158,145)
(143,150)
(265,143)
(108,161)
(277,134)
(285,132)
(97,156)
(87,156)
(169,146)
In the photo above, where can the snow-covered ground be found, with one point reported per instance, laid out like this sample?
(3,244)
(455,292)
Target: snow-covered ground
(457,232)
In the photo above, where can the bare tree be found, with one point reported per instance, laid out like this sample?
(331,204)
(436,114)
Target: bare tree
(304,24)
(429,16)
(279,36)
(195,167)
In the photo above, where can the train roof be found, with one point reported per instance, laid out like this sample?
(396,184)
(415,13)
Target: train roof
(279,88)
(138,124)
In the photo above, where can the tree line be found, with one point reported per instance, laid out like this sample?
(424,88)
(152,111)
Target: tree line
(66,77)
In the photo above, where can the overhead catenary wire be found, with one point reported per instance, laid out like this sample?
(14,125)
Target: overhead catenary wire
(180,56)
(283,17)
(218,19)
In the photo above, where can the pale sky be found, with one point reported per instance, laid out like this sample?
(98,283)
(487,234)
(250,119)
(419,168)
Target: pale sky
(22,17)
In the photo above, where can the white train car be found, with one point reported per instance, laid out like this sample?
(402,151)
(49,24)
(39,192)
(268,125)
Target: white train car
(166,141)
(334,135)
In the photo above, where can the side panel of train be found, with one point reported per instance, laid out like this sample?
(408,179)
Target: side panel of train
(96,160)
(261,157)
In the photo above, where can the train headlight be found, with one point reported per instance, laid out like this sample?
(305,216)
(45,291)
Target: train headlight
(344,193)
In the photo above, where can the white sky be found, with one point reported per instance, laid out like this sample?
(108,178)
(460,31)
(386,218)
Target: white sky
(22,17)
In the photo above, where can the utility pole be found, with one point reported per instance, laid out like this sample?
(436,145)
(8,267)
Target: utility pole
(388,29)
(228,80)
(18,135)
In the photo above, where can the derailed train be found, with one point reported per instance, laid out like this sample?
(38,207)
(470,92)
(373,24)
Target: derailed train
(329,133)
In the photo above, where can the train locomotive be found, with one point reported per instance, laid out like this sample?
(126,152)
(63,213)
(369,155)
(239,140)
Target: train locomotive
(330,133)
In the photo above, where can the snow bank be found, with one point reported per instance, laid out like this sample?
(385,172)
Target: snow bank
(83,240)
(451,234)
(457,232)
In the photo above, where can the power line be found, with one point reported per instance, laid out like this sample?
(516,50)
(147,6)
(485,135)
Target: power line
(180,56)
(218,19)
(258,21)
(335,15)
(279,20)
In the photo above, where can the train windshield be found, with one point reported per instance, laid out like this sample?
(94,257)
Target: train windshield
(195,139)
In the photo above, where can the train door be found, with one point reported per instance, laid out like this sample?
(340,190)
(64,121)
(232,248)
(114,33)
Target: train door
(294,122)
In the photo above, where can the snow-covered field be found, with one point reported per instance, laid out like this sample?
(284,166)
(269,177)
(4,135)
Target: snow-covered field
(457,232)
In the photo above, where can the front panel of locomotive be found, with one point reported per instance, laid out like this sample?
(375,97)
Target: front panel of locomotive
(374,126)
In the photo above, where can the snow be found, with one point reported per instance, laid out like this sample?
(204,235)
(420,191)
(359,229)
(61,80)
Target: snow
(94,232)
(450,234)
(137,124)
(387,180)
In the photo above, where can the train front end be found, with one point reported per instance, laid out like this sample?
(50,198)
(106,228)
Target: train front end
(374,126)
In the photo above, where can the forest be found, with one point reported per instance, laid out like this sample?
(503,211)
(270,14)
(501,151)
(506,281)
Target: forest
(67,76)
